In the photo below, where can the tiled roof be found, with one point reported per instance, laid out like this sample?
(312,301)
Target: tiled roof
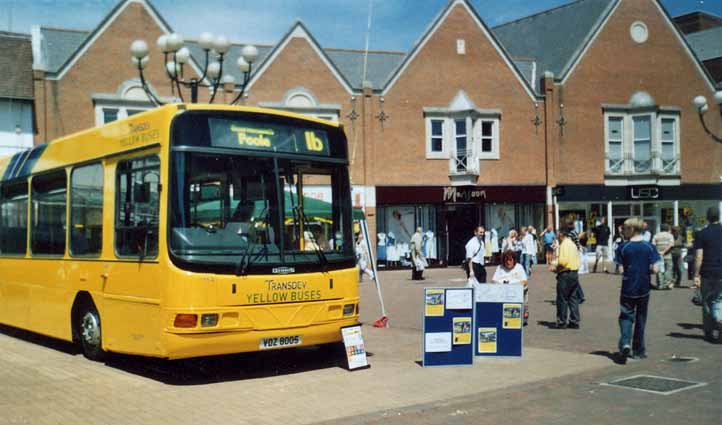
(706,44)
(553,37)
(16,66)
(58,45)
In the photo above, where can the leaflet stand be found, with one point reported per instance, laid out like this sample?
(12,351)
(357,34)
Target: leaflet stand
(448,327)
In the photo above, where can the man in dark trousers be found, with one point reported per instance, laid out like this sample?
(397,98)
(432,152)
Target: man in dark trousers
(638,259)
(601,234)
(567,270)
(475,255)
(708,274)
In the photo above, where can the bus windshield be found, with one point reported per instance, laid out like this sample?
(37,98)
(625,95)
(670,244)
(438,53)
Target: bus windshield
(228,209)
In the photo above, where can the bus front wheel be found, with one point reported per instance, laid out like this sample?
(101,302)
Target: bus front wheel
(89,332)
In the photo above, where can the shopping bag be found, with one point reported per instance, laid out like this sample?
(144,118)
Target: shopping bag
(419,264)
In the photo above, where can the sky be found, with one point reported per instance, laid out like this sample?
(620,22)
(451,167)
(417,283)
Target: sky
(396,24)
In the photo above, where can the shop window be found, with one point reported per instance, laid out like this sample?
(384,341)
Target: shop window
(86,210)
(136,224)
(13,218)
(49,198)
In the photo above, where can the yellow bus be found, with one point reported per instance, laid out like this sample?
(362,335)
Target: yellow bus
(180,232)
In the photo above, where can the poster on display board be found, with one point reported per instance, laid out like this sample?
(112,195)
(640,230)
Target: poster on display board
(448,327)
(498,323)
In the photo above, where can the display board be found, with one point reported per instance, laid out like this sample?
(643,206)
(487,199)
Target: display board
(353,341)
(498,320)
(448,327)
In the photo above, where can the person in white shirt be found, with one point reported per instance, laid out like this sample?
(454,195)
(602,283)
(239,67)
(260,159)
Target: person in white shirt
(646,235)
(509,271)
(528,249)
(475,256)
(362,258)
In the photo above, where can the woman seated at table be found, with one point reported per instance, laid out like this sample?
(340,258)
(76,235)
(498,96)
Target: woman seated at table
(509,271)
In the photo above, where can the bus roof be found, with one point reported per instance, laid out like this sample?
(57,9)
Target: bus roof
(143,130)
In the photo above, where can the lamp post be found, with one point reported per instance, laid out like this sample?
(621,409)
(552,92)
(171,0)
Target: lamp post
(176,56)
(700,102)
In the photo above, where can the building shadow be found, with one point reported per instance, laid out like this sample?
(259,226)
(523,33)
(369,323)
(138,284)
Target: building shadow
(552,302)
(45,341)
(615,357)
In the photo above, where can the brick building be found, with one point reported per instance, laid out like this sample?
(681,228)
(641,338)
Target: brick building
(583,110)
(16,93)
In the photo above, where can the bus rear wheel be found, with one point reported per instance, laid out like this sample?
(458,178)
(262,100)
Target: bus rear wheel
(89,332)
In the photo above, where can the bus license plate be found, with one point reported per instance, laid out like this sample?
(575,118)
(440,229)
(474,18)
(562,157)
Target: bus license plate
(280,341)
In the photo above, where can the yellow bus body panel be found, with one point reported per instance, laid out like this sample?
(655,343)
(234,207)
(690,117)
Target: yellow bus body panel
(138,300)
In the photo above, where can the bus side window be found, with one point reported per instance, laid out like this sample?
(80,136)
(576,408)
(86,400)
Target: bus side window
(49,199)
(14,218)
(136,222)
(86,210)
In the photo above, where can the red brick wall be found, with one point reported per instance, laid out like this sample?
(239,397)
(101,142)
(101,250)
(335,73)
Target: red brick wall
(432,79)
(612,70)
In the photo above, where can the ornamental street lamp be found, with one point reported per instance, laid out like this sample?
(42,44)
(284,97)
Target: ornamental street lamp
(176,56)
(700,102)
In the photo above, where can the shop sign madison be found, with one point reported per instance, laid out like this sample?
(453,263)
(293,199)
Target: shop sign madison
(463,194)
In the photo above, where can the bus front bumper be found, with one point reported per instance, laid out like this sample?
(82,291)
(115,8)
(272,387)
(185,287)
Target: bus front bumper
(186,345)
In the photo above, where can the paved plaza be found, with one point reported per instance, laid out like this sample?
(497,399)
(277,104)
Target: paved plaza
(558,381)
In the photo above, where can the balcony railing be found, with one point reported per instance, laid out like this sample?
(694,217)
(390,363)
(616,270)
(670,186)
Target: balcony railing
(464,162)
(628,166)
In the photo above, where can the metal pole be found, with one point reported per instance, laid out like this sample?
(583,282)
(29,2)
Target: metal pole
(676,213)
(365,231)
(194,91)
(610,224)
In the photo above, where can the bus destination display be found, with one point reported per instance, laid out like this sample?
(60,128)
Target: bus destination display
(268,137)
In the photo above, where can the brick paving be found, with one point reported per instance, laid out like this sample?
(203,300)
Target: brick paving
(43,381)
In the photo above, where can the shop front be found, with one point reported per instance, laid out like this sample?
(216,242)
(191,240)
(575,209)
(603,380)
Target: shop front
(684,205)
(447,216)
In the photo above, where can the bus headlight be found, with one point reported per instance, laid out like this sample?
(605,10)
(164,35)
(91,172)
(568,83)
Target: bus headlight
(209,320)
(349,309)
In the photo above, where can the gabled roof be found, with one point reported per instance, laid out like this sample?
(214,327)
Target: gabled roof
(380,65)
(706,44)
(299,30)
(16,66)
(436,23)
(555,37)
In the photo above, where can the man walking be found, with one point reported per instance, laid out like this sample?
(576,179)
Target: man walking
(664,242)
(638,259)
(418,262)
(475,255)
(567,283)
(708,275)
(601,234)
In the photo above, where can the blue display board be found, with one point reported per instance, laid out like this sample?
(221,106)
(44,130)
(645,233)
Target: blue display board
(448,337)
(498,320)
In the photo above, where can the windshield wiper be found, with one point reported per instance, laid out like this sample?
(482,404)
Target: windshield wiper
(264,252)
(243,262)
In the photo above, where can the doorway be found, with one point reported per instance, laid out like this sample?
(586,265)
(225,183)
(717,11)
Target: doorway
(460,222)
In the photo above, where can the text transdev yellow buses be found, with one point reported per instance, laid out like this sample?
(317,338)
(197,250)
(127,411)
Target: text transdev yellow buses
(189,230)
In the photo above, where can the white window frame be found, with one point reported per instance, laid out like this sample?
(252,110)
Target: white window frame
(652,139)
(444,153)
(677,150)
(494,153)
(628,138)
(121,108)
(473,135)
(607,137)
